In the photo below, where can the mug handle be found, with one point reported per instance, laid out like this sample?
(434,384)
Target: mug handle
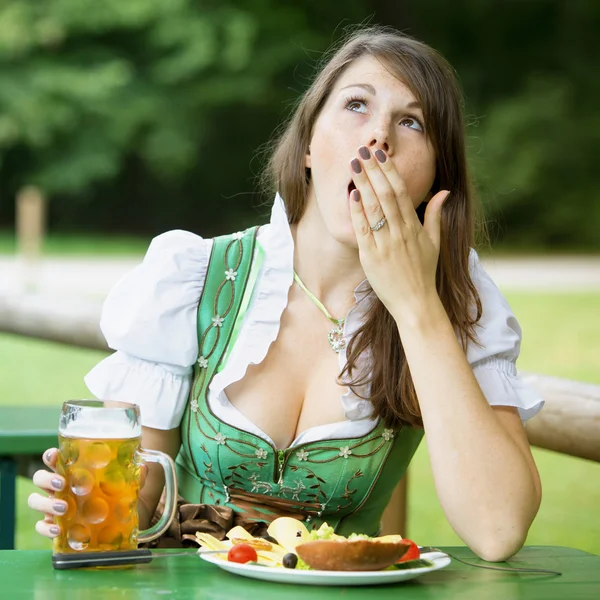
(166,462)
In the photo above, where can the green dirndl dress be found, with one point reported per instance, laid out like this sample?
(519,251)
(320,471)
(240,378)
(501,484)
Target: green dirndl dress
(346,482)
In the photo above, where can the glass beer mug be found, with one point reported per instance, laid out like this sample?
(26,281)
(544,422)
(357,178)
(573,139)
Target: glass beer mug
(99,456)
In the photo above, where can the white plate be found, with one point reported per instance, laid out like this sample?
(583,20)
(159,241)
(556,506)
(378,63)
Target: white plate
(282,575)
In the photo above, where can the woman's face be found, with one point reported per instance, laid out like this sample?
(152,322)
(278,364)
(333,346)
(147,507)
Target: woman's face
(370,107)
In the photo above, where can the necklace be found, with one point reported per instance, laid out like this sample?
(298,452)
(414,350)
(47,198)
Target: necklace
(336,334)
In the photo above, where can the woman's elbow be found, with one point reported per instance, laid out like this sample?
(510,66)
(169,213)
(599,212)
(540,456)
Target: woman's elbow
(500,546)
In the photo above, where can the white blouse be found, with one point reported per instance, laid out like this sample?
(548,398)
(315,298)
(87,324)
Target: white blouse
(150,316)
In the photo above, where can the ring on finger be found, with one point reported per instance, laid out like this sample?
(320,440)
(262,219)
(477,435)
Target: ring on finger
(379,224)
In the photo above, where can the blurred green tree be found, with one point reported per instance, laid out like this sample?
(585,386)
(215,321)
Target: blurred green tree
(529,72)
(145,115)
(135,115)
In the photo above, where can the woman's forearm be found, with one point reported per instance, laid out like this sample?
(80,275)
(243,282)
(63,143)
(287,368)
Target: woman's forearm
(485,483)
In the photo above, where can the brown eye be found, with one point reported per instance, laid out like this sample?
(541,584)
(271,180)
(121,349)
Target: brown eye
(357,105)
(412,123)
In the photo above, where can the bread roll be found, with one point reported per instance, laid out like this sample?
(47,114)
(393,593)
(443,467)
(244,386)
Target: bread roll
(357,555)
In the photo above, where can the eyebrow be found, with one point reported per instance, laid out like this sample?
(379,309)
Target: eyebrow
(369,88)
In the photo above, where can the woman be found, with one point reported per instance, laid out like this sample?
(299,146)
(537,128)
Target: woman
(274,406)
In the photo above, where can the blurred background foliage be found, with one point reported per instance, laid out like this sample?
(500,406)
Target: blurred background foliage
(139,116)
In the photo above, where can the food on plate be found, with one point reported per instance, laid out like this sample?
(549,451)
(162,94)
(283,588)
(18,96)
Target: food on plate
(351,555)
(290,560)
(268,554)
(210,542)
(256,543)
(289,544)
(269,539)
(288,532)
(327,551)
(413,552)
(242,553)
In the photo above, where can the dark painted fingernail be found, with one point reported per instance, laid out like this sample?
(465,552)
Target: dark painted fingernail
(364,153)
(60,507)
(356,195)
(54,530)
(381,157)
(48,455)
(356,165)
(57,484)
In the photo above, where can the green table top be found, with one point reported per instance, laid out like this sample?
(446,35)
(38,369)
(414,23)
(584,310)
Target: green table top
(29,574)
(28,429)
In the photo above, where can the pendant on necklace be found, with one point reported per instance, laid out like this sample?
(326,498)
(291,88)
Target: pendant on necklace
(336,338)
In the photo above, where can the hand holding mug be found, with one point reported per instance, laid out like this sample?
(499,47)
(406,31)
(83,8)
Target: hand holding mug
(98,473)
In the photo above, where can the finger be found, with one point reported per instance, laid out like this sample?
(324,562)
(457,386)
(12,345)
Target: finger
(368,199)
(382,186)
(402,200)
(47,505)
(364,235)
(433,217)
(48,481)
(48,529)
(50,457)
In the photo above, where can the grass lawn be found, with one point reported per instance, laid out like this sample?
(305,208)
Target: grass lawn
(82,245)
(562,338)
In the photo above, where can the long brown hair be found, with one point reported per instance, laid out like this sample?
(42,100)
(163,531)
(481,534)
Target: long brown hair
(432,80)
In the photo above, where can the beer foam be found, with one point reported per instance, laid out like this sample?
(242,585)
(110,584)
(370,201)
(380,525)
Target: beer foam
(96,425)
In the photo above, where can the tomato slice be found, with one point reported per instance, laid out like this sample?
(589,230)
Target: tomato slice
(413,552)
(242,553)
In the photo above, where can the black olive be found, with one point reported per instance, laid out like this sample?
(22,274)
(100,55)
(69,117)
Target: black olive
(269,538)
(290,560)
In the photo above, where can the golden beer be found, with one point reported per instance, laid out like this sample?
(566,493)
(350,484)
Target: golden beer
(102,487)
(100,457)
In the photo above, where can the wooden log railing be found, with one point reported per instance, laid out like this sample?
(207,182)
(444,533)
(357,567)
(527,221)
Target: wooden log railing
(569,422)
(70,320)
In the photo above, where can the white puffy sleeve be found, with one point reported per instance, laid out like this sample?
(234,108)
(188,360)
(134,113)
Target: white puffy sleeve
(494,362)
(150,319)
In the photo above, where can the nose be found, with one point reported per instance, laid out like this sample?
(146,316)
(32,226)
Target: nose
(381,139)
